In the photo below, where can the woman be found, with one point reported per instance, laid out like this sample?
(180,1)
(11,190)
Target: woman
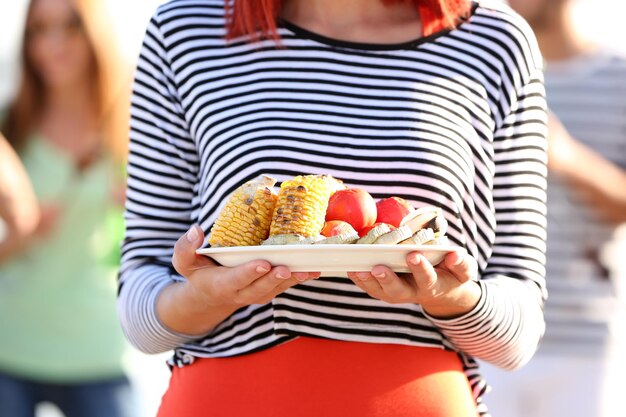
(61,342)
(439,102)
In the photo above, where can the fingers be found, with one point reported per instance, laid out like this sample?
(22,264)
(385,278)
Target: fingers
(423,272)
(383,284)
(366,282)
(251,287)
(424,284)
(185,260)
(265,289)
(396,288)
(250,283)
(460,264)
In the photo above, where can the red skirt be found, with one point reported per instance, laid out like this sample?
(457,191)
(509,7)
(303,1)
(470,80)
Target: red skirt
(310,377)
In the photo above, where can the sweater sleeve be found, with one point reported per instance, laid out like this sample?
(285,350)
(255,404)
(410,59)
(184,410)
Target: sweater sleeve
(507,324)
(161,189)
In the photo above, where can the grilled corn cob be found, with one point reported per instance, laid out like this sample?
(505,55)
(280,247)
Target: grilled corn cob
(302,204)
(246,218)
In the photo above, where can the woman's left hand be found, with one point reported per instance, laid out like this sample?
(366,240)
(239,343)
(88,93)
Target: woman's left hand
(446,290)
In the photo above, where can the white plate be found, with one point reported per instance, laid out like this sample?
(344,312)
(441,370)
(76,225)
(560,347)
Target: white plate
(328,258)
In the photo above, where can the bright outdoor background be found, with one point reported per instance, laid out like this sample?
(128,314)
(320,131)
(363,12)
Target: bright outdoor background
(149,374)
(600,20)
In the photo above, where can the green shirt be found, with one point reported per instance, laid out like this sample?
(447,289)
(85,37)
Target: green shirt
(58,318)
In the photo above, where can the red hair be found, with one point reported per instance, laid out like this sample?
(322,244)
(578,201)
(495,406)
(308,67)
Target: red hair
(258,17)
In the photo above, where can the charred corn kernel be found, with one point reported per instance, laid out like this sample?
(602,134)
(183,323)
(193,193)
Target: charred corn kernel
(246,218)
(302,204)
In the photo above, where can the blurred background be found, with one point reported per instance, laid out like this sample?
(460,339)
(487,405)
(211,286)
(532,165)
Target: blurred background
(130,19)
(149,374)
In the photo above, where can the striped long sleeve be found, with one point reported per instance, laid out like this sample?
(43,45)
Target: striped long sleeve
(507,324)
(162,173)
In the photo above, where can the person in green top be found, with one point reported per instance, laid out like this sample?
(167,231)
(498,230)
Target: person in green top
(60,337)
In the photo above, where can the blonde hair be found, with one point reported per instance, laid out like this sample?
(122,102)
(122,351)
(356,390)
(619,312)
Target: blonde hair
(111,83)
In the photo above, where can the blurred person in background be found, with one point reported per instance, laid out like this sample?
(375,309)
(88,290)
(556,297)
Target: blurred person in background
(61,341)
(19,212)
(586,90)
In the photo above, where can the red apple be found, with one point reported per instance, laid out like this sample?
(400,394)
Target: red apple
(392,210)
(336,227)
(354,206)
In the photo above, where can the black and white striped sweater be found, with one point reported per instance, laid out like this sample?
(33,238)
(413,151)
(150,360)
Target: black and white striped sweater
(455,120)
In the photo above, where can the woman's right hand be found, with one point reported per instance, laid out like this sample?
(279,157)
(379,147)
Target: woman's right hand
(255,282)
(213,292)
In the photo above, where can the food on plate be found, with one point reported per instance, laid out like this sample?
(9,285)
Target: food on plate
(392,210)
(429,226)
(301,206)
(336,227)
(342,239)
(352,205)
(320,210)
(338,232)
(292,240)
(425,218)
(373,233)
(395,236)
(245,220)
(284,239)
(425,226)
(420,237)
(311,240)
(367,229)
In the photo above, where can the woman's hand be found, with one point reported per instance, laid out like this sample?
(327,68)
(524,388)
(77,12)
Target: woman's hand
(602,191)
(18,204)
(16,243)
(255,282)
(562,148)
(212,292)
(48,221)
(446,290)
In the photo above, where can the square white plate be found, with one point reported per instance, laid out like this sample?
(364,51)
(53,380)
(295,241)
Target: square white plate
(328,258)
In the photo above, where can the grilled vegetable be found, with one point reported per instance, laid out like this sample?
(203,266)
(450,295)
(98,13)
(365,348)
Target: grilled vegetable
(426,217)
(395,236)
(421,237)
(340,239)
(375,233)
(285,239)
(311,240)
(439,241)
(301,206)
(246,218)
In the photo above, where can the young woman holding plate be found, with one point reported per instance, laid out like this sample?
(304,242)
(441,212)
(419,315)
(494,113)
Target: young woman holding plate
(439,102)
